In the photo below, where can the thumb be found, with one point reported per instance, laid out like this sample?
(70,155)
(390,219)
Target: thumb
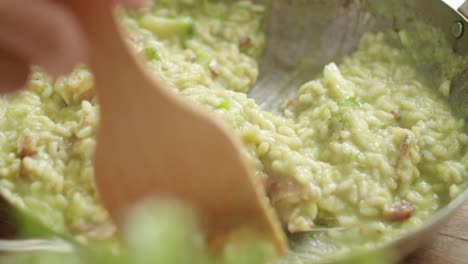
(13,72)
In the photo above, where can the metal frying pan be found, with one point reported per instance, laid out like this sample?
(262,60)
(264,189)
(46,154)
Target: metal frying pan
(325,31)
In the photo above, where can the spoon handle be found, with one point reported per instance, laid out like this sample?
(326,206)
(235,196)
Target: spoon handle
(118,74)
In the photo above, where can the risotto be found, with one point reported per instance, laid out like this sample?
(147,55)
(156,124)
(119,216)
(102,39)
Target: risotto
(369,149)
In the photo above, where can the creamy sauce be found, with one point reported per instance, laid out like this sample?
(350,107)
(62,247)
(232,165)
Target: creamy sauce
(368,150)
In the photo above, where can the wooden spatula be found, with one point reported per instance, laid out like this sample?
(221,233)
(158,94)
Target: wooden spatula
(152,143)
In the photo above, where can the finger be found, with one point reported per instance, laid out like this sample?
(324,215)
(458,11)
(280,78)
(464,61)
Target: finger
(14,72)
(43,33)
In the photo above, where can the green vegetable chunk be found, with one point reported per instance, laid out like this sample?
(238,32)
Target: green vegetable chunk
(225,104)
(152,54)
(204,58)
(167,27)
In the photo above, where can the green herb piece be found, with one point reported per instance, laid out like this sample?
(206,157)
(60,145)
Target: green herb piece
(225,104)
(352,101)
(152,54)
(167,27)
(204,58)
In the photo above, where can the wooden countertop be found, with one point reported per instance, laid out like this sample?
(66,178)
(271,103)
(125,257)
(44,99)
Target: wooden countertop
(449,245)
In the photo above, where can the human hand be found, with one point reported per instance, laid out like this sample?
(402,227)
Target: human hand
(43,33)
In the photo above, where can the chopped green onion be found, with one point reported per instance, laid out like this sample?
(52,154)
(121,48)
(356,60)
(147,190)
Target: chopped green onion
(204,58)
(152,54)
(225,104)
(167,27)
(352,101)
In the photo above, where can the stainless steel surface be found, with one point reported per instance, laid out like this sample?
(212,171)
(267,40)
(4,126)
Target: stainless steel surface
(459,94)
(458,29)
(302,37)
(305,35)
(31,245)
(464,9)
(36,237)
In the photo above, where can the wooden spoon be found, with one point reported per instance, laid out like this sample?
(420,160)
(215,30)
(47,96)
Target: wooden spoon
(152,143)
